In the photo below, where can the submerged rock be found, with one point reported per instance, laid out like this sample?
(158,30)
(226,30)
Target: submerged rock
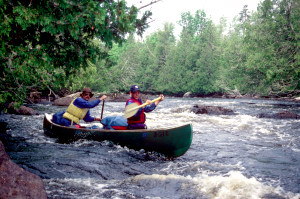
(280,115)
(213,110)
(15,182)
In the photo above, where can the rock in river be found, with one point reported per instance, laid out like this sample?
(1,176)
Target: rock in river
(213,110)
(15,182)
(280,115)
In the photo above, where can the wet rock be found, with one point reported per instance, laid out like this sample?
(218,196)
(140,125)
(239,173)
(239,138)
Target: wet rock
(188,94)
(15,182)
(3,126)
(118,97)
(280,115)
(35,96)
(65,101)
(23,110)
(213,110)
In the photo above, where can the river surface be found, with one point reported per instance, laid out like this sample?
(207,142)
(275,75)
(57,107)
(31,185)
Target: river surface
(231,156)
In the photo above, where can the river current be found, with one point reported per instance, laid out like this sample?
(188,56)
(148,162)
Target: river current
(231,156)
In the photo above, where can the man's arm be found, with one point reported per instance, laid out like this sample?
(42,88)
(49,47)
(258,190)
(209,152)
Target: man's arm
(81,103)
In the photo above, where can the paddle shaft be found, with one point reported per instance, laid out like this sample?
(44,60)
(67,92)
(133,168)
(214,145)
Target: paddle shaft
(145,104)
(102,109)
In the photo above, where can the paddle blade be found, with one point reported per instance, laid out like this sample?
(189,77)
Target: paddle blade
(131,110)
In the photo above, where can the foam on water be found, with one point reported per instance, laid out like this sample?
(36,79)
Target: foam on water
(80,188)
(231,156)
(231,185)
(194,168)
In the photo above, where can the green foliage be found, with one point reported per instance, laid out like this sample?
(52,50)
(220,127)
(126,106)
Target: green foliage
(193,63)
(72,44)
(193,25)
(156,51)
(43,43)
(259,55)
(270,47)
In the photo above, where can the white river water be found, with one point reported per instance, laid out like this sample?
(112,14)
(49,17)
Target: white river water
(231,156)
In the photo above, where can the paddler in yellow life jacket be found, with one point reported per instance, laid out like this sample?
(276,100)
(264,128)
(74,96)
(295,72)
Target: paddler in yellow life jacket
(79,109)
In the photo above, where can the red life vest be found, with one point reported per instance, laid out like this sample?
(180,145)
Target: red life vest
(136,119)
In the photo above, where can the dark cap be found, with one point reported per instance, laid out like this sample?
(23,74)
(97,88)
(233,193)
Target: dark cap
(87,90)
(134,88)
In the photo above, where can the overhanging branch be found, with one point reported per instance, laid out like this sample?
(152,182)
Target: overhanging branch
(152,2)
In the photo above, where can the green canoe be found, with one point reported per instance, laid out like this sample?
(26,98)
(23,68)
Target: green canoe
(171,142)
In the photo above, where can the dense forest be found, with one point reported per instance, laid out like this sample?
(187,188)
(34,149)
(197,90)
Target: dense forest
(55,46)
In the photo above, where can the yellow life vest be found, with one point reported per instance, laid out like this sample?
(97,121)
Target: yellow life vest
(75,114)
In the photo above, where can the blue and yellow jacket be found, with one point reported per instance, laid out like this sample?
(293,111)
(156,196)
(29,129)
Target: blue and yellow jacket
(78,110)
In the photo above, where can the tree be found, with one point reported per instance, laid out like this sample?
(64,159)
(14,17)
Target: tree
(271,39)
(42,41)
(125,72)
(143,62)
(157,48)
(261,54)
(193,25)
(208,62)
(193,65)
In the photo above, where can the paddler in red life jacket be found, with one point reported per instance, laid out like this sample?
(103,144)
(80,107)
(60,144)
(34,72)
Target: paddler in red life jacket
(138,120)
(79,109)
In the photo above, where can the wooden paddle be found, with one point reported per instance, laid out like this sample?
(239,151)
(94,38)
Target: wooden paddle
(102,109)
(133,108)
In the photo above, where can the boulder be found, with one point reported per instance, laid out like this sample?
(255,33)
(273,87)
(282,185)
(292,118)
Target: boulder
(22,110)
(35,96)
(188,94)
(118,97)
(65,101)
(212,110)
(280,115)
(15,182)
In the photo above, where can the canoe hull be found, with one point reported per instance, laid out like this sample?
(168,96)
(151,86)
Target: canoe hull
(172,142)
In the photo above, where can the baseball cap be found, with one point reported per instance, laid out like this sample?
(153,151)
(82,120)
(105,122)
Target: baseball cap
(134,88)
